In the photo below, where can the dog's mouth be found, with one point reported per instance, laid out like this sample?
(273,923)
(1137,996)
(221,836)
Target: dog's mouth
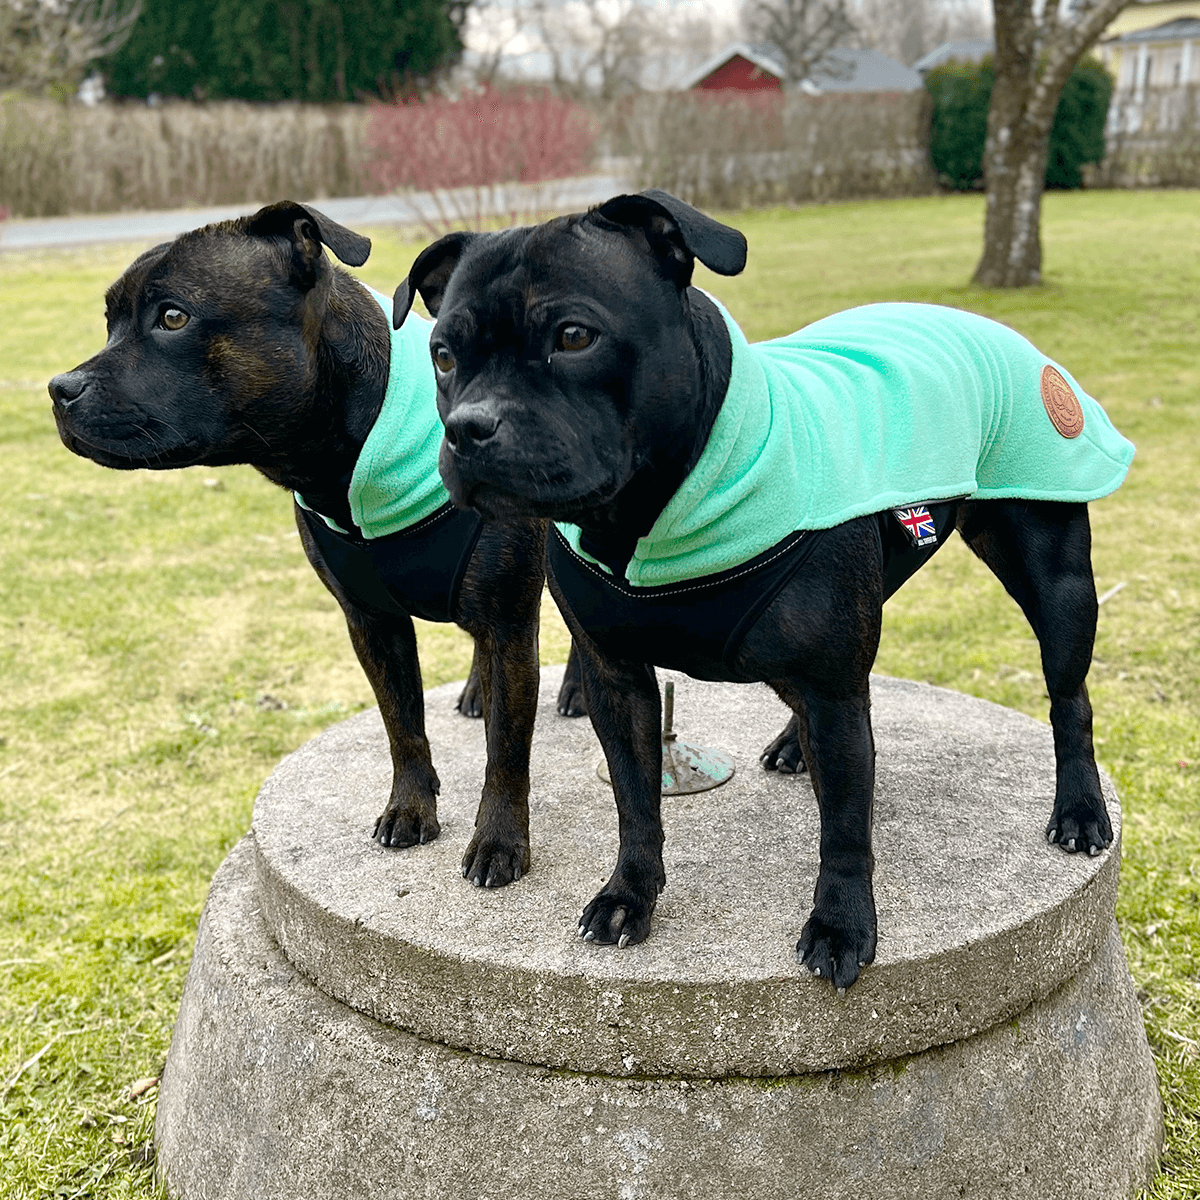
(548,498)
(121,456)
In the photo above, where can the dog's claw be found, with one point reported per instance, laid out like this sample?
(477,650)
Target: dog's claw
(618,918)
(406,823)
(496,856)
(1081,825)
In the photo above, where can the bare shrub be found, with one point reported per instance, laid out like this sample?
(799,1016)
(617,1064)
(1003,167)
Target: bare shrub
(464,151)
(731,150)
(57,159)
(1152,141)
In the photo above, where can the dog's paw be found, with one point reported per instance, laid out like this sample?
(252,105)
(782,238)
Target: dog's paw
(494,862)
(618,917)
(401,825)
(570,699)
(784,754)
(834,953)
(470,702)
(1079,827)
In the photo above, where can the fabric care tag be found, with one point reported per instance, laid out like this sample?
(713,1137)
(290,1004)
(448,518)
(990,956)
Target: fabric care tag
(919,523)
(1062,405)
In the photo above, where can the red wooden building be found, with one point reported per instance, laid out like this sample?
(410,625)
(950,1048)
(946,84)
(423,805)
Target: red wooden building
(758,67)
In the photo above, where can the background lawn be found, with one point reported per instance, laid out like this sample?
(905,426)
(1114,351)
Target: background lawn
(163,642)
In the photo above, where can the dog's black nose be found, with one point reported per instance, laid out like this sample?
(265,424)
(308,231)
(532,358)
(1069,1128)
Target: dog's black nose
(469,425)
(65,389)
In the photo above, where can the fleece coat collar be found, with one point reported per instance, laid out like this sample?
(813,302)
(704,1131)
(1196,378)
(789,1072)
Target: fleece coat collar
(395,483)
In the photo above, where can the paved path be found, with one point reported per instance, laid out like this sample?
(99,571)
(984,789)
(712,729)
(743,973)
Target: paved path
(564,195)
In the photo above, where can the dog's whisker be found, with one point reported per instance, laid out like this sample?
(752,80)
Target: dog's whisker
(246,424)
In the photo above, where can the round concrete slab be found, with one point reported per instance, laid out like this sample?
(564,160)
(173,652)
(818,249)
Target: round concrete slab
(272,1088)
(978,916)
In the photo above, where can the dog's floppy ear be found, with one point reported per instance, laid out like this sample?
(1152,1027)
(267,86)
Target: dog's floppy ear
(678,233)
(309,230)
(429,276)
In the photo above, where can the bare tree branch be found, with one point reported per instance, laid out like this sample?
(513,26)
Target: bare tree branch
(597,46)
(907,29)
(44,43)
(803,31)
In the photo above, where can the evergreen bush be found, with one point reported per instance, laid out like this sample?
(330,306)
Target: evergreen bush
(961,95)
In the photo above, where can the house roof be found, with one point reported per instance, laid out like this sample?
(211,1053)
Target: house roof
(1182,29)
(847,70)
(763,55)
(962,50)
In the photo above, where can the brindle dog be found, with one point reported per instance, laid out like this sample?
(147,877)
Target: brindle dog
(241,343)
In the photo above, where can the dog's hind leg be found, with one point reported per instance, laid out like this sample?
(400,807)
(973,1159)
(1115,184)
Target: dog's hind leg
(785,754)
(470,699)
(1041,553)
(570,694)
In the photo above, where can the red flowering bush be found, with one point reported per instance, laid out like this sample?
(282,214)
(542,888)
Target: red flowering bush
(464,152)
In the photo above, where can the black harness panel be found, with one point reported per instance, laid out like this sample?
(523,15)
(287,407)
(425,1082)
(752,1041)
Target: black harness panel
(417,571)
(698,627)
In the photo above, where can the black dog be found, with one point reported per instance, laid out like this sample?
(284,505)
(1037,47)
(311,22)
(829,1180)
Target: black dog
(240,343)
(582,378)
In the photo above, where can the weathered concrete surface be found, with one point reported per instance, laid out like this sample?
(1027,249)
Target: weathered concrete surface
(978,916)
(273,1089)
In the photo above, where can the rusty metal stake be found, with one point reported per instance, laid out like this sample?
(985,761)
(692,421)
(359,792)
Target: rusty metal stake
(685,768)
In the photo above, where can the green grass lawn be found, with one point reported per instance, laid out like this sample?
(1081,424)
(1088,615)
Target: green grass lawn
(163,642)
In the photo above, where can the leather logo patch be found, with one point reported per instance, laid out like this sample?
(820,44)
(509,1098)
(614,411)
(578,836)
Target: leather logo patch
(1062,405)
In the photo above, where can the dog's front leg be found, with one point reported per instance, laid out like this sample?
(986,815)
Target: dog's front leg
(386,646)
(387,649)
(498,605)
(839,937)
(623,702)
(498,852)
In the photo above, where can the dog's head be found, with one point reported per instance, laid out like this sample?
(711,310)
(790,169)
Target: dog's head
(564,350)
(211,343)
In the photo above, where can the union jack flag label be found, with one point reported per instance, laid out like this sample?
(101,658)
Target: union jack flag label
(919,524)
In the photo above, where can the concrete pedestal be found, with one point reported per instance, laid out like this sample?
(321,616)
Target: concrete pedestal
(361,1022)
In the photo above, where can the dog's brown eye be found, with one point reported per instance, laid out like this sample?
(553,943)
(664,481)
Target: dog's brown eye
(575,337)
(174,318)
(443,359)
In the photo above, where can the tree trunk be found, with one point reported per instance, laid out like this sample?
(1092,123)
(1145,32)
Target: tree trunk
(1018,142)
(1034,57)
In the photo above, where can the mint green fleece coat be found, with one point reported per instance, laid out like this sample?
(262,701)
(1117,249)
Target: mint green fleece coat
(395,482)
(877,407)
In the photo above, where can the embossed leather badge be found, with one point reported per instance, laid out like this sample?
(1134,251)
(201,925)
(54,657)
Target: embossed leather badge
(1062,405)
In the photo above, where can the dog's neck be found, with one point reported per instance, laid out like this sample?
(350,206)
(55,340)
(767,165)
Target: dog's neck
(343,398)
(610,535)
